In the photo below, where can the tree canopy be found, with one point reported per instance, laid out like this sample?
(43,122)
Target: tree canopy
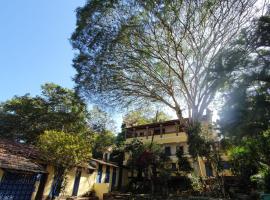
(144,116)
(24,118)
(100,121)
(133,51)
(245,114)
(246,111)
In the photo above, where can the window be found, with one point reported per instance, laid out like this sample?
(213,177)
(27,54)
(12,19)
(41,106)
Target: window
(180,148)
(107,178)
(225,165)
(157,131)
(174,166)
(99,175)
(167,151)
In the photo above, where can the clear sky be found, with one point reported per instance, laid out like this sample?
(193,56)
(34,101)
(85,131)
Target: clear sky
(34,44)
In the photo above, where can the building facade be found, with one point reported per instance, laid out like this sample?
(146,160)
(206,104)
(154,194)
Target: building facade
(25,175)
(171,136)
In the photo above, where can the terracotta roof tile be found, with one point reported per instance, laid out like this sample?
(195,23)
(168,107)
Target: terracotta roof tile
(17,156)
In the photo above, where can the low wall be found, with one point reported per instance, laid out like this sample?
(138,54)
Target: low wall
(100,189)
(111,196)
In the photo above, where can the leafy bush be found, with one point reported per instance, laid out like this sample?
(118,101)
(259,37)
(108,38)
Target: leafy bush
(64,149)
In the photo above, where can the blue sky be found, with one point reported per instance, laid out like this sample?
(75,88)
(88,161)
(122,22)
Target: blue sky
(34,45)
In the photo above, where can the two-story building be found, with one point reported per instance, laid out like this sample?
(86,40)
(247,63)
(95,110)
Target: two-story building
(171,136)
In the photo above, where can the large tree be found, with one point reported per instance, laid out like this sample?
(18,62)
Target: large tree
(246,111)
(158,51)
(245,115)
(24,118)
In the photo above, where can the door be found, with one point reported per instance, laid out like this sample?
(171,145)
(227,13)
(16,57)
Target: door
(17,186)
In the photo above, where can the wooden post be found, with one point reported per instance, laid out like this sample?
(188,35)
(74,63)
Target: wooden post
(147,132)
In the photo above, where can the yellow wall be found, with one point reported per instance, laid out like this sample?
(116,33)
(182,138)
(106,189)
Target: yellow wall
(165,139)
(101,188)
(87,181)
(202,162)
(70,178)
(35,190)
(48,185)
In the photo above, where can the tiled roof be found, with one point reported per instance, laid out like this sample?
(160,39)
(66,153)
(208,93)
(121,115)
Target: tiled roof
(17,156)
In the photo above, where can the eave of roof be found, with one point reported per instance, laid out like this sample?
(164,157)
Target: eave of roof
(103,162)
(156,124)
(164,123)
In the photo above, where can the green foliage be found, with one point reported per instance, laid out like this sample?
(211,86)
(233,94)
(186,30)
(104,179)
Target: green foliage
(246,64)
(145,155)
(198,145)
(246,113)
(144,116)
(262,178)
(135,118)
(101,141)
(147,159)
(135,149)
(184,166)
(64,149)
(100,121)
(24,118)
(103,127)
(242,159)
(251,158)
